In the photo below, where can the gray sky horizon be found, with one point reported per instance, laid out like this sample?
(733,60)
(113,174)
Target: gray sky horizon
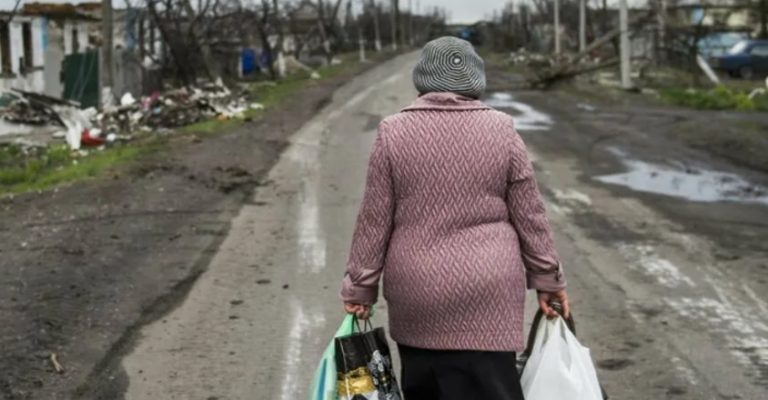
(460,11)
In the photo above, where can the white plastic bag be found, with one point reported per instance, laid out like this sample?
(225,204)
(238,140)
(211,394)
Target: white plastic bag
(559,367)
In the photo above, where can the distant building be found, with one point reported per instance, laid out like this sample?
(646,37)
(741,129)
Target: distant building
(721,14)
(31,43)
(52,48)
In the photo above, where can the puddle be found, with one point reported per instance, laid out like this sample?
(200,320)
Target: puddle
(527,118)
(690,184)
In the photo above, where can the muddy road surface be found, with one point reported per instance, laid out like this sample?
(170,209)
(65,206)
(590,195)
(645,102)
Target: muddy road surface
(663,245)
(83,267)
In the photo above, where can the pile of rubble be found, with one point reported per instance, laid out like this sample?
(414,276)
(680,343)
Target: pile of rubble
(157,112)
(533,60)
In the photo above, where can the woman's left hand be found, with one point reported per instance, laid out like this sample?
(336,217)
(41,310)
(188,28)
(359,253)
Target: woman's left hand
(560,296)
(362,311)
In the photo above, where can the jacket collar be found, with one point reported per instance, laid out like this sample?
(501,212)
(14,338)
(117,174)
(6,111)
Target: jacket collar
(446,101)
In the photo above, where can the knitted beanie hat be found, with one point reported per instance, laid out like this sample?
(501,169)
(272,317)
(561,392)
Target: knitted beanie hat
(450,64)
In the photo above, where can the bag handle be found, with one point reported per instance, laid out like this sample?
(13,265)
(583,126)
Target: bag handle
(367,325)
(569,322)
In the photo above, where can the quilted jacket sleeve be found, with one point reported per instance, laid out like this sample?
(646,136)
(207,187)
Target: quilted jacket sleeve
(527,214)
(372,230)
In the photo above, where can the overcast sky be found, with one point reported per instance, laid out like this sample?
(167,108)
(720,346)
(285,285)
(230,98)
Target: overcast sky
(459,10)
(462,10)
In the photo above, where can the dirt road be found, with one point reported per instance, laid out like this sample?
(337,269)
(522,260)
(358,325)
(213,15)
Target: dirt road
(669,288)
(664,248)
(82,267)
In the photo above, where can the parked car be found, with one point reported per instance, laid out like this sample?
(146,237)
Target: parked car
(746,59)
(718,43)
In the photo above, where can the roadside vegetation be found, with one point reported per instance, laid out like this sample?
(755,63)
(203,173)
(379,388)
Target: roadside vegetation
(30,168)
(721,97)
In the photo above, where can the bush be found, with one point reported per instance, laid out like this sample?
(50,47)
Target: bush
(761,102)
(719,98)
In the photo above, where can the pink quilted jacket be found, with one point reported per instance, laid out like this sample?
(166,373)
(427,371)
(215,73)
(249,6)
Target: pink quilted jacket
(454,220)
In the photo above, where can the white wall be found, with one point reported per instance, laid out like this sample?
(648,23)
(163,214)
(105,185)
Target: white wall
(31,80)
(39,33)
(82,36)
(17,47)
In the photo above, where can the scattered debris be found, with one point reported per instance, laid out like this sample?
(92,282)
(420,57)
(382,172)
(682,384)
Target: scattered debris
(523,57)
(759,91)
(704,65)
(32,108)
(157,112)
(127,100)
(91,138)
(56,365)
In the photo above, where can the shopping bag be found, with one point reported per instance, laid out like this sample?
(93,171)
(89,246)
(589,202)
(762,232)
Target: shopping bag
(557,366)
(364,365)
(522,359)
(324,383)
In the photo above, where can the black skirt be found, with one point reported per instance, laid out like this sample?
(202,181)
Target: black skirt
(459,375)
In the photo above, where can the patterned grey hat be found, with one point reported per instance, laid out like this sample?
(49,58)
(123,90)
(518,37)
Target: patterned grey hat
(450,64)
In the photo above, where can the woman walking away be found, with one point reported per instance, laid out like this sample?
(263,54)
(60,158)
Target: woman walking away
(453,218)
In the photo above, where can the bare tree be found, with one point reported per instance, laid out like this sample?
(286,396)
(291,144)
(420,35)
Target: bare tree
(193,19)
(300,38)
(327,20)
(377,30)
(270,23)
(395,17)
(182,29)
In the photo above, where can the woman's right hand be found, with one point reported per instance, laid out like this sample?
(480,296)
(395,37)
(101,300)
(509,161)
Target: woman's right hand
(545,298)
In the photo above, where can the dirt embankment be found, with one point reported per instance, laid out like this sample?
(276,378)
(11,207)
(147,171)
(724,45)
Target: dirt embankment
(81,267)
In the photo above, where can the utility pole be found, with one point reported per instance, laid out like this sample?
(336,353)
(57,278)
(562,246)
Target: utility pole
(394,24)
(661,19)
(205,48)
(107,63)
(376,28)
(763,19)
(361,41)
(410,22)
(360,38)
(626,79)
(402,24)
(418,13)
(557,27)
(582,25)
